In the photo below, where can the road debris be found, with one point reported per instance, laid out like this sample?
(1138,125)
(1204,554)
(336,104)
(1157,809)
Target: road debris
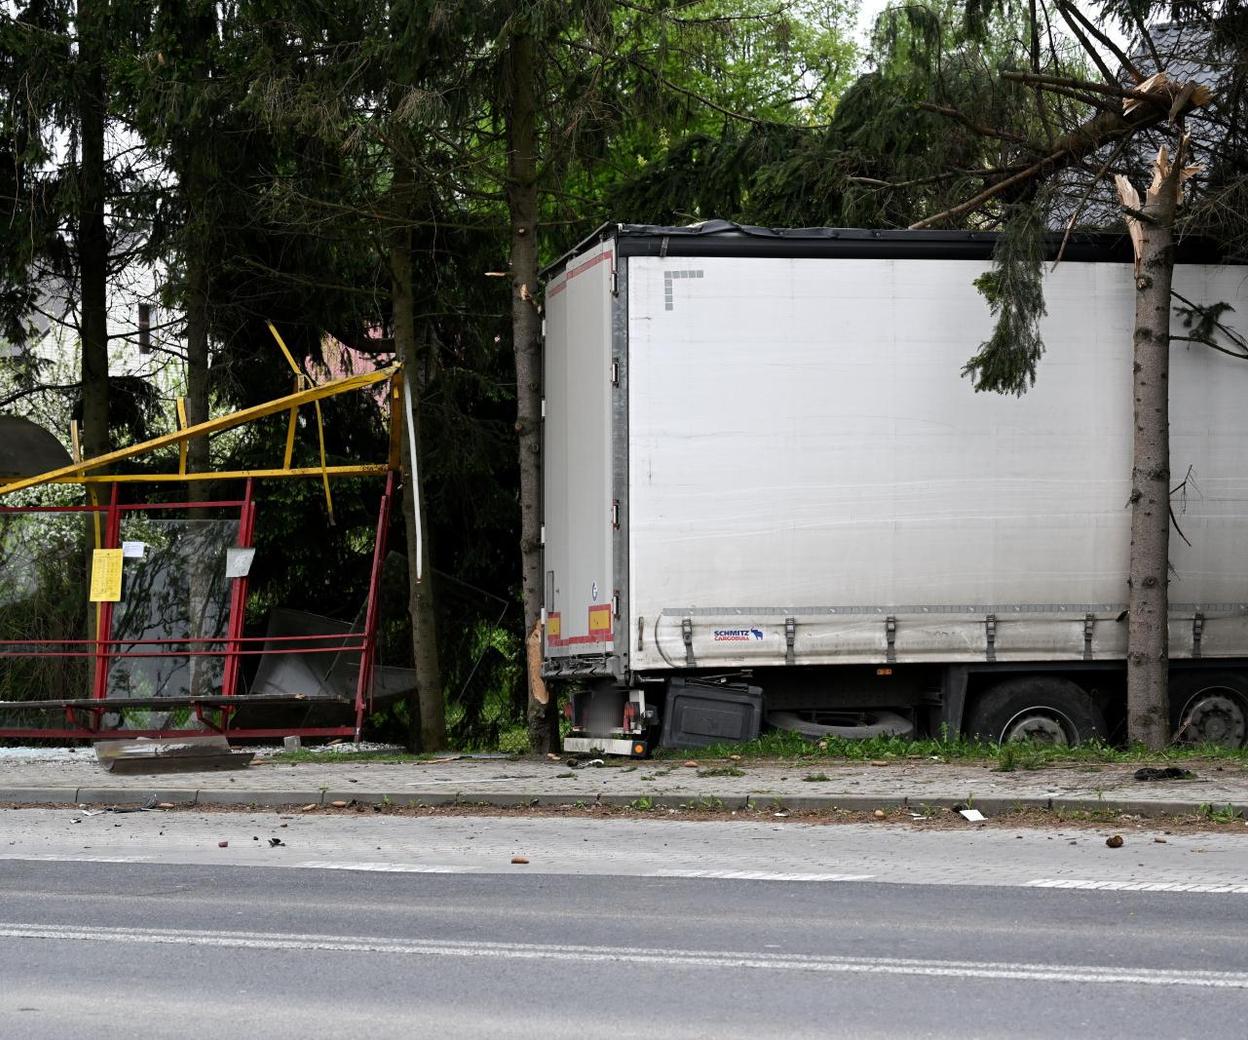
(1114,841)
(519,859)
(223,844)
(973,815)
(1168,773)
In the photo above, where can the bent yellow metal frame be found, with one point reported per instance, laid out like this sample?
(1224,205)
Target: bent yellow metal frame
(81,472)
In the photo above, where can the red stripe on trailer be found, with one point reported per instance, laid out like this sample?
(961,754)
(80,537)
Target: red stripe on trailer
(593,261)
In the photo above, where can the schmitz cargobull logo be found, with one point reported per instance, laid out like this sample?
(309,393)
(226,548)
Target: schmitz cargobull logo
(737,635)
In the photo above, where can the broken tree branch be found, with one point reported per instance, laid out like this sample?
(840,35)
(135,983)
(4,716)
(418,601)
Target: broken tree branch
(979,128)
(1123,58)
(1103,129)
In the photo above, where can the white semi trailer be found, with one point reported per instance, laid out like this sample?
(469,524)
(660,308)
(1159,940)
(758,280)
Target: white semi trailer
(768,488)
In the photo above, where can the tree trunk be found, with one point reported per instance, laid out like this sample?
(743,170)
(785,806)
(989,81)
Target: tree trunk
(92,256)
(92,234)
(526,328)
(197,460)
(427,715)
(1148,713)
(201,669)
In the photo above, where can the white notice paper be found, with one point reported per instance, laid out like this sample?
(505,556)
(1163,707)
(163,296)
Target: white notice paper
(238,562)
(133,550)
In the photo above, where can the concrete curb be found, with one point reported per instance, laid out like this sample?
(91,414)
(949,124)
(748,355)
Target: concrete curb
(989,805)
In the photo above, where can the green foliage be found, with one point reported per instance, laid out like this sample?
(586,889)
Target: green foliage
(1006,362)
(514,740)
(1224,814)
(786,745)
(42,597)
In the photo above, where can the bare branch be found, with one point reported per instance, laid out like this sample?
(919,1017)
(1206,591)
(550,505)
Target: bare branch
(979,128)
(1087,195)
(1091,51)
(1123,59)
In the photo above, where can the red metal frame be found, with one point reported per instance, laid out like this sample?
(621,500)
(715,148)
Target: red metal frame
(104,616)
(364,686)
(233,646)
(238,596)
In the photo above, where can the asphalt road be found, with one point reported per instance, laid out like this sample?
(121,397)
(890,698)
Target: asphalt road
(189,950)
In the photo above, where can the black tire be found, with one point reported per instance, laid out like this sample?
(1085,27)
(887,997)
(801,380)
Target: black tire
(1210,708)
(1042,708)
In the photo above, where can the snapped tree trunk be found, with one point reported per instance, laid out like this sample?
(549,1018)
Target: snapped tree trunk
(1148,711)
(427,715)
(526,328)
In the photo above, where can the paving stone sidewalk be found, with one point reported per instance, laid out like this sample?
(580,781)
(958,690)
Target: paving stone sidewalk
(505,782)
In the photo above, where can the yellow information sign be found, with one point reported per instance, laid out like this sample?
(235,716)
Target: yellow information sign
(106,576)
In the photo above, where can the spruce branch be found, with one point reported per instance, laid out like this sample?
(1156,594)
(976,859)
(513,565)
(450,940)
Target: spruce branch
(1006,362)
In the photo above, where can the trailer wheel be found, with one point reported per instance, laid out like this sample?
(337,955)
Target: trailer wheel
(1040,709)
(1210,709)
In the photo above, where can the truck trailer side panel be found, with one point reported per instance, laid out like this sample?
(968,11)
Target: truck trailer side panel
(576,458)
(812,481)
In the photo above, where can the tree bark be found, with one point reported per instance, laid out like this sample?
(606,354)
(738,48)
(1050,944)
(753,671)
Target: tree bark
(427,709)
(201,669)
(197,458)
(92,234)
(526,327)
(1148,714)
(91,246)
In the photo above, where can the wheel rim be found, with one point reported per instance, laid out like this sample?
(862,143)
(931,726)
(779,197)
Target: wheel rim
(1039,725)
(1215,716)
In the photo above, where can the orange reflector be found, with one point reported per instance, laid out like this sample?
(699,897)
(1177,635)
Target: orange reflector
(639,749)
(883,671)
(600,620)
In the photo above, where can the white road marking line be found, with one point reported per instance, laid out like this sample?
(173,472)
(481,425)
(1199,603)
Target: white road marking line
(1077,973)
(386,868)
(755,875)
(1084,884)
(1141,886)
(55,857)
(381,866)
